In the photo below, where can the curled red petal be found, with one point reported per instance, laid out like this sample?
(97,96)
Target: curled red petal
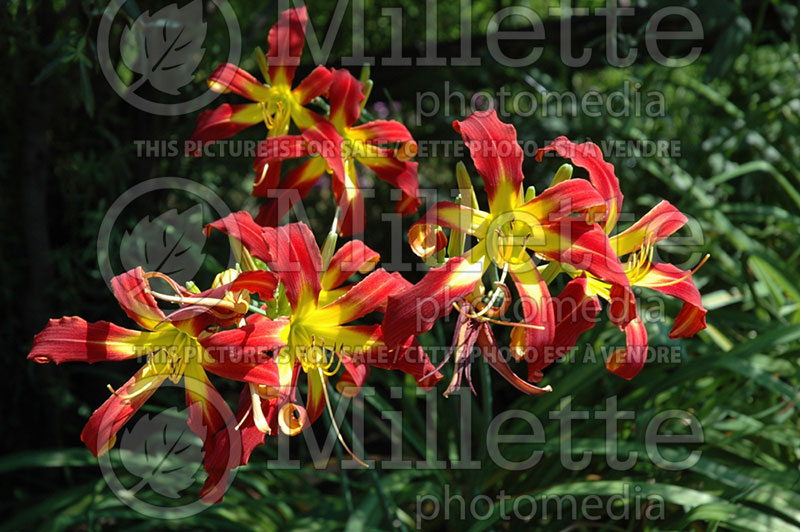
(674,282)
(352,378)
(601,173)
(133,294)
(488,346)
(628,362)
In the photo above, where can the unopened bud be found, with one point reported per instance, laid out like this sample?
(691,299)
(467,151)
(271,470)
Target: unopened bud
(563,174)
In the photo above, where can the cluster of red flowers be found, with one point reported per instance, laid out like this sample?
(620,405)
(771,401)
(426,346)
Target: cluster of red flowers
(290,308)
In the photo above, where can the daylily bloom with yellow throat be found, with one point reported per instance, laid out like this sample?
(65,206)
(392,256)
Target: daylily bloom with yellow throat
(319,329)
(334,146)
(507,235)
(177,345)
(637,244)
(276,104)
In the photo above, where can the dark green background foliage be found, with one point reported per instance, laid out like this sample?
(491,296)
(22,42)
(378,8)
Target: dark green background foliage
(68,152)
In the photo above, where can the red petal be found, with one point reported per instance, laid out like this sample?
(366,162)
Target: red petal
(315,84)
(100,431)
(401,175)
(286,39)
(659,223)
(295,257)
(415,310)
(496,154)
(240,354)
(256,282)
(240,226)
(488,346)
(225,121)
(622,305)
(269,157)
(562,200)
(675,282)
(352,378)
(293,187)
(536,305)
(364,297)
(72,339)
(345,99)
(133,294)
(601,173)
(627,363)
(230,77)
(381,132)
(575,311)
(354,256)
(584,247)
(208,415)
(280,148)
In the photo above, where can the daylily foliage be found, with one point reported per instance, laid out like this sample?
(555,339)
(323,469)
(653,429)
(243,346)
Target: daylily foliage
(292,313)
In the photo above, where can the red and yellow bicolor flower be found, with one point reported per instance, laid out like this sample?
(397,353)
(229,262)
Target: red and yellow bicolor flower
(552,225)
(579,301)
(276,103)
(179,345)
(318,329)
(383,146)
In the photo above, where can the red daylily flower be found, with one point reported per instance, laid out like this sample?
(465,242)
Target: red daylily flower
(276,103)
(636,243)
(178,345)
(506,235)
(319,328)
(334,147)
